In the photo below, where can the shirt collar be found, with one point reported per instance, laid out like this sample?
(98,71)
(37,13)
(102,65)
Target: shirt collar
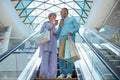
(67,17)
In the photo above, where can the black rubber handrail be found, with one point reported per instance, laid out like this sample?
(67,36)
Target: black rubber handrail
(7,53)
(112,69)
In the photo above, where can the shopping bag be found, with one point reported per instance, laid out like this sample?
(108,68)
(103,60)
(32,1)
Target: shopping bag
(43,37)
(74,55)
(67,51)
(46,38)
(62,48)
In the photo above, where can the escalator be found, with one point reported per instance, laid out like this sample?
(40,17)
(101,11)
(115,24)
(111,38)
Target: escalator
(111,53)
(106,50)
(99,60)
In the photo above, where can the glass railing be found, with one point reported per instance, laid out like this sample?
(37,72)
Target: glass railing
(105,56)
(111,33)
(14,43)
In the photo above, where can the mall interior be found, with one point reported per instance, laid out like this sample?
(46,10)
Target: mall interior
(97,42)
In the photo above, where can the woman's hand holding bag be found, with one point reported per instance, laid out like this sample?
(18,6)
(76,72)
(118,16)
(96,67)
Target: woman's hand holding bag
(43,37)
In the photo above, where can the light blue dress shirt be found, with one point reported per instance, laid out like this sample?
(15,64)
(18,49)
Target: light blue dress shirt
(70,25)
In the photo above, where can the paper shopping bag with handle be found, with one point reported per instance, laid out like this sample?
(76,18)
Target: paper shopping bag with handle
(67,51)
(43,37)
(62,48)
(74,55)
(46,38)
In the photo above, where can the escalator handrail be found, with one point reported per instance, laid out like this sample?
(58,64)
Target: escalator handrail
(115,72)
(105,40)
(7,53)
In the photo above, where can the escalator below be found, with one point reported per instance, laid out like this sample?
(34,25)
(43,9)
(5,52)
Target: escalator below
(99,61)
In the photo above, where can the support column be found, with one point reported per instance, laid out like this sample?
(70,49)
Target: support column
(100,12)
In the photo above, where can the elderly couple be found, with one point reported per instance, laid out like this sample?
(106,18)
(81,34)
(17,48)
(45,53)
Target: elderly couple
(48,51)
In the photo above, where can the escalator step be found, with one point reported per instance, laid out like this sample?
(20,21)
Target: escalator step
(56,79)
